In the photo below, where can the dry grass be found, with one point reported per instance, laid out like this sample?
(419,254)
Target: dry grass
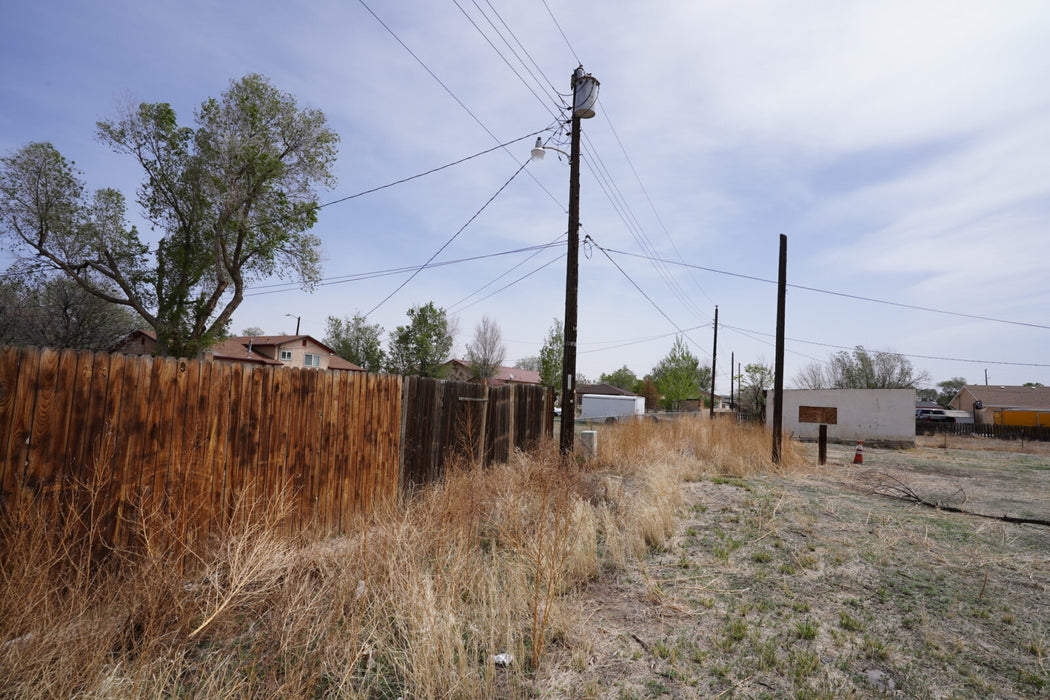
(415,602)
(970,442)
(810,585)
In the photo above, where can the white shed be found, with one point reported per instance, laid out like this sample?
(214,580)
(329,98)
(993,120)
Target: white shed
(876,416)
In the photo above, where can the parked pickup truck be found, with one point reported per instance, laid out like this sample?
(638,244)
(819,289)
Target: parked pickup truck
(943,415)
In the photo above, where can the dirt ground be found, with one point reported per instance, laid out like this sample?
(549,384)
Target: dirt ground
(820,586)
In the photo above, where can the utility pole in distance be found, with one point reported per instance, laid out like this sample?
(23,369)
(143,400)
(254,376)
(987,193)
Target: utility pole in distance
(732,364)
(584,95)
(714,359)
(778,365)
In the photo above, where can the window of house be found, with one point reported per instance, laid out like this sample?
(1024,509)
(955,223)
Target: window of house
(312,360)
(286,355)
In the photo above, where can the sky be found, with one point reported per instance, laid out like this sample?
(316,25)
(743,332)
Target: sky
(901,147)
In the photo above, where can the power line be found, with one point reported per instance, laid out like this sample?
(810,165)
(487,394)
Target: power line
(451,94)
(555,20)
(647,297)
(637,341)
(641,185)
(502,56)
(840,294)
(902,354)
(524,50)
(425,67)
(504,274)
(634,227)
(432,170)
(449,241)
(511,284)
(357,277)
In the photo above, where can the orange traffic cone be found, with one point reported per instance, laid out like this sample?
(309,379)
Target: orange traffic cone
(858,458)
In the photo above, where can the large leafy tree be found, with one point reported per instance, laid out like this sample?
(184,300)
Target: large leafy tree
(622,378)
(861,369)
(948,389)
(679,375)
(422,346)
(531,363)
(55,312)
(356,340)
(755,380)
(486,351)
(551,355)
(232,198)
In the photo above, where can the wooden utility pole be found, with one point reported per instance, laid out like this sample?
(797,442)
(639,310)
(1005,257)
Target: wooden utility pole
(572,284)
(732,364)
(778,371)
(714,358)
(584,90)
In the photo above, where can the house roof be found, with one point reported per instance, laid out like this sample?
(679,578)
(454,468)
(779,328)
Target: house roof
(336,362)
(233,349)
(1010,396)
(517,375)
(141,333)
(506,375)
(278,340)
(236,349)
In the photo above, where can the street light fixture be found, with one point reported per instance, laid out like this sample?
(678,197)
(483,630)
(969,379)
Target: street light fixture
(584,96)
(297,319)
(539,150)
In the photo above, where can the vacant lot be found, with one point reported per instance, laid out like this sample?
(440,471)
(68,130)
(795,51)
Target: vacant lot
(676,565)
(822,585)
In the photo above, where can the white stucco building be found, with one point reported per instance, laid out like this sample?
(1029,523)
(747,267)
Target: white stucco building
(876,416)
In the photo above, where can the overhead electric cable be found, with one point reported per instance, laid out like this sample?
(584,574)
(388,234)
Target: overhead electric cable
(343,279)
(427,69)
(507,61)
(902,354)
(504,274)
(647,297)
(841,294)
(627,343)
(524,50)
(659,219)
(614,194)
(449,241)
(432,170)
(771,344)
(555,20)
(511,284)
(451,94)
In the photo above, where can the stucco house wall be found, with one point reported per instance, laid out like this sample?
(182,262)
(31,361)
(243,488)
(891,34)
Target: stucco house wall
(876,416)
(996,398)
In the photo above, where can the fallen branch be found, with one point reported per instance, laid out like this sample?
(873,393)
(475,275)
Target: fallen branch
(892,487)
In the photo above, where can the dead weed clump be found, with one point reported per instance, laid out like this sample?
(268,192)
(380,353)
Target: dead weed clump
(698,446)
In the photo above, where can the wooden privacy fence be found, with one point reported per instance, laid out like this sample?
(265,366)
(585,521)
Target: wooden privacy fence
(189,437)
(469,420)
(989,430)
